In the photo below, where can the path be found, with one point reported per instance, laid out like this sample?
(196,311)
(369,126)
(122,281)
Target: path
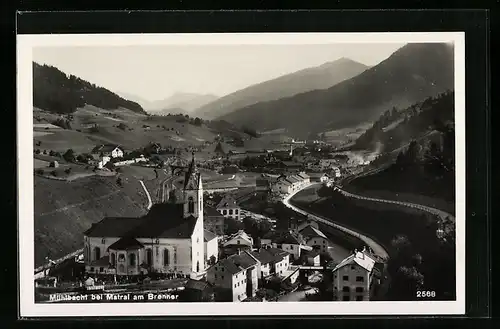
(431,210)
(296,296)
(150,203)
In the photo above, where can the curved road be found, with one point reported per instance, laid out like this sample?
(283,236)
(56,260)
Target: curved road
(150,202)
(376,247)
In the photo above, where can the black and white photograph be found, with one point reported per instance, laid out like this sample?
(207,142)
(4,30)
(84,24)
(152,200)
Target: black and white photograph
(233,174)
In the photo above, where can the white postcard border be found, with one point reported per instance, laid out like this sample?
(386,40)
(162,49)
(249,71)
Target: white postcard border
(28,307)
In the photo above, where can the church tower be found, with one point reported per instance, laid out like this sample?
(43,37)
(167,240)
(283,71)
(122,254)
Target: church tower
(193,191)
(193,206)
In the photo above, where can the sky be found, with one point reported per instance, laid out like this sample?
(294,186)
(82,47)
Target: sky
(155,72)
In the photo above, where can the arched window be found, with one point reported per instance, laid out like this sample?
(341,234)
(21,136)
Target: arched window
(149,257)
(131,258)
(190,205)
(113,259)
(166,257)
(197,266)
(97,253)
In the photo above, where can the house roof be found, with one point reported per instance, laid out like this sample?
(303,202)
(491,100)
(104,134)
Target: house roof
(243,260)
(311,232)
(103,261)
(285,182)
(303,175)
(240,234)
(105,148)
(209,236)
(277,253)
(211,212)
(126,243)
(290,238)
(359,258)
(293,179)
(227,202)
(263,256)
(229,266)
(197,285)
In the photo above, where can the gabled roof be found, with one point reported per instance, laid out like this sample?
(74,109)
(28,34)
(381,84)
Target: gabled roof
(112,226)
(103,261)
(290,238)
(303,175)
(105,148)
(126,243)
(197,285)
(227,202)
(243,260)
(263,256)
(359,258)
(240,234)
(211,212)
(208,236)
(293,179)
(311,232)
(277,253)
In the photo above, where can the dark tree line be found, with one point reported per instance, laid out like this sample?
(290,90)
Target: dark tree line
(57,92)
(431,114)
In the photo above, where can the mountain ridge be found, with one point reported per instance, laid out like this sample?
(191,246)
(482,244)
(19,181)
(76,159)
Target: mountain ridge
(318,77)
(409,75)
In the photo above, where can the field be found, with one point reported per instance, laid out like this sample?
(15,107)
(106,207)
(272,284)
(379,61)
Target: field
(63,211)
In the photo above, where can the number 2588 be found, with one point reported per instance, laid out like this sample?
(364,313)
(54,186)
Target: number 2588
(426,294)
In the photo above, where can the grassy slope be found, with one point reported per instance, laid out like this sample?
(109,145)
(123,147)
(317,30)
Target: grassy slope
(63,211)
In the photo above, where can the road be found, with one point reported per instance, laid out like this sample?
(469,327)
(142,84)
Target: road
(150,202)
(430,210)
(376,247)
(296,296)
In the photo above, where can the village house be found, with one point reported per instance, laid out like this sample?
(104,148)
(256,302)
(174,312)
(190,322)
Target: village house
(102,154)
(197,291)
(213,221)
(168,239)
(228,207)
(352,278)
(315,238)
(272,261)
(211,246)
(293,243)
(234,278)
(240,238)
(311,258)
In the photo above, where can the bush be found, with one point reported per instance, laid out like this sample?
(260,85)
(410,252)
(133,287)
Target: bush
(39,171)
(69,155)
(53,173)
(37,151)
(67,171)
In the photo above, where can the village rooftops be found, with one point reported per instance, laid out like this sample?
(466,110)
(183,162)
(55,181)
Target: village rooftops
(266,256)
(303,175)
(290,238)
(360,258)
(105,148)
(227,202)
(311,232)
(237,263)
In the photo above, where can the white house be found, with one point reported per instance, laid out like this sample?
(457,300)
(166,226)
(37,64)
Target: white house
(168,239)
(228,207)
(239,238)
(110,150)
(272,261)
(282,186)
(315,238)
(292,243)
(234,278)
(352,277)
(211,247)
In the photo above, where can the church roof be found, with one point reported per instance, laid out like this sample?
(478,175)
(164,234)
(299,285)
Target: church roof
(112,226)
(126,243)
(165,220)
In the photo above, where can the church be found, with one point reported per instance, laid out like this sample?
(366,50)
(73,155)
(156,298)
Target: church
(168,239)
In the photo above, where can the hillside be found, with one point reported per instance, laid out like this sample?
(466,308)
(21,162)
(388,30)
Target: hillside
(320,77)
(418,154)
(63,211)
(409,75)
(57,92)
